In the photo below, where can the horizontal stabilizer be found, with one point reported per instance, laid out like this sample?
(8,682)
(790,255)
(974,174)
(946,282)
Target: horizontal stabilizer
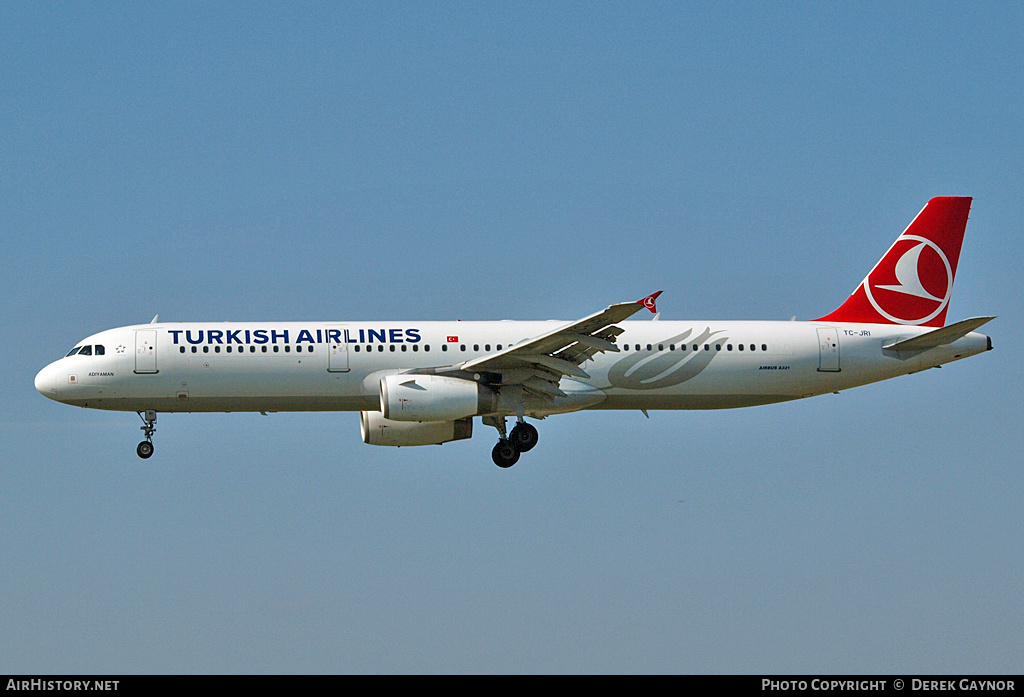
(939,337)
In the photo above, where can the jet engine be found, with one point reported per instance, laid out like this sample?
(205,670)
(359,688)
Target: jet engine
(412,397)
(378,430)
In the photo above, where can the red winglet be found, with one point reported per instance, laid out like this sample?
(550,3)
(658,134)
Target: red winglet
(648,302)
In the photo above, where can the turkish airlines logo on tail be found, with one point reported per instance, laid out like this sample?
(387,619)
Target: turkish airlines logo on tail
(913,283)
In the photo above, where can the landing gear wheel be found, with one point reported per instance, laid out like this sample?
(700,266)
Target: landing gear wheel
(145,449)
(524,436)
(505,454)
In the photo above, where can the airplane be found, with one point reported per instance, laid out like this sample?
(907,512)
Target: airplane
(423,383)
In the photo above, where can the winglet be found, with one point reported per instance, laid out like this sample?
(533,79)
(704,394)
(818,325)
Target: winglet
(648,302)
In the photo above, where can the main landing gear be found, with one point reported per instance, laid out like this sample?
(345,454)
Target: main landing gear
(523,437)
(145,449)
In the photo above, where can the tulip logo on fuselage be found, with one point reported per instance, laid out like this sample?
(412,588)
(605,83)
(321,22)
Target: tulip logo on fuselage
(647,370)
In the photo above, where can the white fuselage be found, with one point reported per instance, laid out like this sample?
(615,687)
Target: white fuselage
(424,383)
(337,366)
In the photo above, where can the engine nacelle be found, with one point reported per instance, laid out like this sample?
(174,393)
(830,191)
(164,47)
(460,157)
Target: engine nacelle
(378,430)
(433,398)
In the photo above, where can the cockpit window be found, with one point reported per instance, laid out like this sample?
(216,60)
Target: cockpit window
(88,350)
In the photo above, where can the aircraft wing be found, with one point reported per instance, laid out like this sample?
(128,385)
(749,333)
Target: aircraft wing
(539,363)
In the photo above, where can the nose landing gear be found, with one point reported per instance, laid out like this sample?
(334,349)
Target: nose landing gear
(145,448)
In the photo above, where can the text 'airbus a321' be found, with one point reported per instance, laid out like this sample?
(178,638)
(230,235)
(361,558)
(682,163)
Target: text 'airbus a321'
(422,383)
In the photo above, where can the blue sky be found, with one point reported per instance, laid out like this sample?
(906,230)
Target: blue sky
(277,161)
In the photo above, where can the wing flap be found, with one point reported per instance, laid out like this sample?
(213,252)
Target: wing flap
(543,387)
(559,365)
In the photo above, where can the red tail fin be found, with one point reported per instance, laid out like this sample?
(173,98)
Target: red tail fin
(913,282)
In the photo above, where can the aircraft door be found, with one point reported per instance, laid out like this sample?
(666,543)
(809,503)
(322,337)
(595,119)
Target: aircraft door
(828,350)
(145,351)
(337,350)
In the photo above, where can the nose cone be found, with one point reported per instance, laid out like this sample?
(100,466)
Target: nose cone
(44,382)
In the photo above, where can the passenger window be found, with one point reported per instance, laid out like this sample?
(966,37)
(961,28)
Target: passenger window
(444,347)
(181,349)
(764,347)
